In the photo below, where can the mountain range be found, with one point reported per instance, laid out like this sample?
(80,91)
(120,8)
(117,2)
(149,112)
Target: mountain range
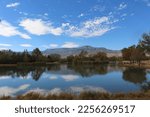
(64,52)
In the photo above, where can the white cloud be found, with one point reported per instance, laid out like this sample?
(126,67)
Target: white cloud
(99,8)
(25,45)
(46,14)
(8,30)
(13,5)
(23,13)
(53,45)
(69,45)
(81,15)
(124,15)
(90,28)
(25,36)
(4,49)
(122,6)
(40,27)
(5,45)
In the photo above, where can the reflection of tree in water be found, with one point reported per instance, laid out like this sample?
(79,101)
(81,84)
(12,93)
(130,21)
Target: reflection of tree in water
(87,70)
(53,67)
(36,73)
(135,75)
(14,72)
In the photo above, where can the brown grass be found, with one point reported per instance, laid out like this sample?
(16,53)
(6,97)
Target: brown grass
(83,96)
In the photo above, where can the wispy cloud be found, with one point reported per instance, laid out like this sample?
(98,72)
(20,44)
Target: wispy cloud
(70,45)
(91,28)
(98,8)
(122,6)
(53,45)
(23,13)
(5,45)
(26,45)
(124,15)
(8,30)
(81,15)
(40,27)
(13,5)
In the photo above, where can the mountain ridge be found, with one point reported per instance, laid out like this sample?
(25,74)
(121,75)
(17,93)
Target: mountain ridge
(64,52)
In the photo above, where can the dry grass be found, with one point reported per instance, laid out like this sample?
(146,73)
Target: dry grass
(83,96)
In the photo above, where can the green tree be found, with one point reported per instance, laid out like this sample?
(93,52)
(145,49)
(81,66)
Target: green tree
(127,52)
(26,56)
(145,42)
(138,54)
(37,55)
(134,54)
(54,58)
(100,57)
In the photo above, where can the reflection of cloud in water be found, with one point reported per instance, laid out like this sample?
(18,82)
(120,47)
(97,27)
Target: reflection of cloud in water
(53,77)
(56,91)
(74,90)
(4,77)
(9,91)
(69,77)
(86,89)
(20,77)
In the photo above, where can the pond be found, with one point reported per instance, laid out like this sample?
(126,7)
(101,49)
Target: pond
(72,78)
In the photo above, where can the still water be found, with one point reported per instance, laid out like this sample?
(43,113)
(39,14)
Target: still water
(72,78)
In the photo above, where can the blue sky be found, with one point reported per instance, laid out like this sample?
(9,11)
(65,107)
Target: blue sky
(113,24)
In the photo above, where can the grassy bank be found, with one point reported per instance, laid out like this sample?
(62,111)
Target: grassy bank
(82,96)
(144,64)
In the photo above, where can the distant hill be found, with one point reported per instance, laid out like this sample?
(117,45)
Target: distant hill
(64,52)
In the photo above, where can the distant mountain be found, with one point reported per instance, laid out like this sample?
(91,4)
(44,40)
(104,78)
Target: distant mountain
(64,52)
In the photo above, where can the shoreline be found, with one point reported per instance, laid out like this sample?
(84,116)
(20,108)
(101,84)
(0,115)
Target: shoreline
(145,95)
(26,64)
(54,63)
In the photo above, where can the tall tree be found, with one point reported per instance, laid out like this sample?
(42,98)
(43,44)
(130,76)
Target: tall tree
(127,52)
(36,54)
(145,42)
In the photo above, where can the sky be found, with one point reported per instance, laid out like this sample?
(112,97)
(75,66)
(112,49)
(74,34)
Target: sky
(43,24)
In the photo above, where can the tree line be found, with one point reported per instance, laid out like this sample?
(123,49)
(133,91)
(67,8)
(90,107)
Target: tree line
(134,53)
(36,56)
(139,52)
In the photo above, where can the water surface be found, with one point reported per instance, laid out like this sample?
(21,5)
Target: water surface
(72,78)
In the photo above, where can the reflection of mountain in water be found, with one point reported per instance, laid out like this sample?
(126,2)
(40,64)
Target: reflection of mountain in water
(73,79)
(36,72)
(71,72)
(85,70)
